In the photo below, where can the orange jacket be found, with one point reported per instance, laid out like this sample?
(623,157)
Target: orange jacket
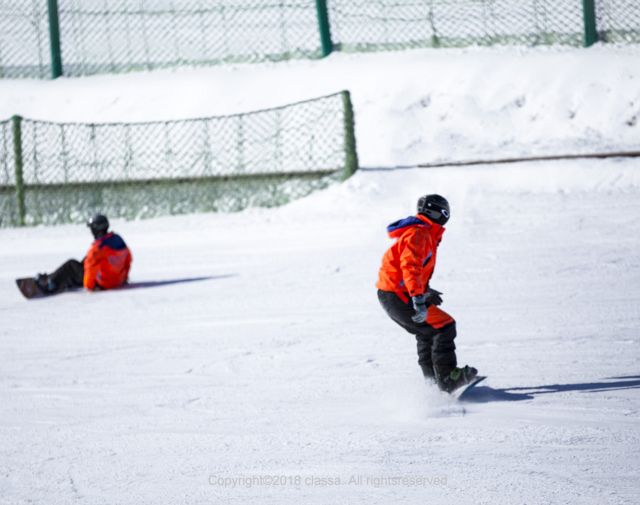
(107,263)
(408,264)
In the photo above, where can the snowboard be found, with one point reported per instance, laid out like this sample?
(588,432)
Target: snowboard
(460,393)
(29,288)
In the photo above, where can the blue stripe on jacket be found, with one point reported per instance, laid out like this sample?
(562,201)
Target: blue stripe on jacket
(404,223)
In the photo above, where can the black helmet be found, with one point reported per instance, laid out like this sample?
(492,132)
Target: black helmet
(99,224)
(435,207)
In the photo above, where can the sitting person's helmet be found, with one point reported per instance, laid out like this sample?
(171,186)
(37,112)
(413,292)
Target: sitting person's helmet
(99,225)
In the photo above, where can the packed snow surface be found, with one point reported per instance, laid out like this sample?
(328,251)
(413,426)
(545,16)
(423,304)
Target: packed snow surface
(265,354)
(250,362)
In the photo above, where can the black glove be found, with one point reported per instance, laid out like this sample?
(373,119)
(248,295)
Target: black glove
(433,297)
(421,302)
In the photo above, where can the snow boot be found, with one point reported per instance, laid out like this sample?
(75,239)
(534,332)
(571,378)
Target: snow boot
(45,284)
(458,377)
(42,281)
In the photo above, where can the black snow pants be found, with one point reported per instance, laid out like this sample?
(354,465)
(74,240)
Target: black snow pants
(69,275)
(436,347)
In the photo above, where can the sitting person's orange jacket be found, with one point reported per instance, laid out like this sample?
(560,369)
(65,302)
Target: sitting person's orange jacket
(107,263)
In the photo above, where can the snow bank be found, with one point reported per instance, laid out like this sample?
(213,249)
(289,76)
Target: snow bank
(411,107)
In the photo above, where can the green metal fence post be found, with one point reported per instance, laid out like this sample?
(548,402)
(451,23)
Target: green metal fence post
(17,156)
(54,39)
(351,153)
(590,27)
(325,27)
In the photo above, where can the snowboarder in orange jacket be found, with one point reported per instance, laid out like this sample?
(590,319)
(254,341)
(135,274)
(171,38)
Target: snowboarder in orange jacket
(106,265)
(407,298)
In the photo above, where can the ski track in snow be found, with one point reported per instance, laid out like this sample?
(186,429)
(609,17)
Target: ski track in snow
(282,363)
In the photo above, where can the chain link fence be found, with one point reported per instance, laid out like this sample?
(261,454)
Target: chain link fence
(106,36)
(24,39)
(361,25)
(65,172)
(146,34)
(618,21)
(8,188)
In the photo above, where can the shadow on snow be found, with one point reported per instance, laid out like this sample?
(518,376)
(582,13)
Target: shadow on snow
(144,284)
(485,394)
(168,282)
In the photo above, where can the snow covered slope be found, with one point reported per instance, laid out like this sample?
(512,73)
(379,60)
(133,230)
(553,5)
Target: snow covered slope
(277,379)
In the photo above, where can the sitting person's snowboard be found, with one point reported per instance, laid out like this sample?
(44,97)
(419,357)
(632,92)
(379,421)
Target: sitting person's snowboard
(29,288)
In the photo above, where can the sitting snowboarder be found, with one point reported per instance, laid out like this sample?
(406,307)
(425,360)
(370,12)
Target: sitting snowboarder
(106,265)
(405,295)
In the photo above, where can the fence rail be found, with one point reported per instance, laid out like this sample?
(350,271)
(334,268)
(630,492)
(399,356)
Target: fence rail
(61,172)
(41,38)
